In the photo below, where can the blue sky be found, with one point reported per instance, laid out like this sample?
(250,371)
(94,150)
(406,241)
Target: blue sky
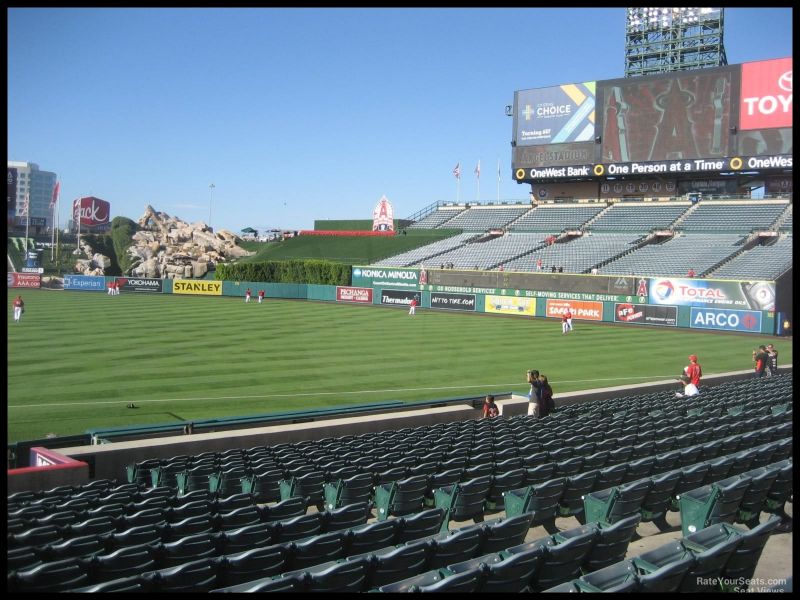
(301,114)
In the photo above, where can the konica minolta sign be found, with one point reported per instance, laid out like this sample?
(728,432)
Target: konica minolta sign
(385,276)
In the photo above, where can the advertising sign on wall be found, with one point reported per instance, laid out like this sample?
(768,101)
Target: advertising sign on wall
(87,283)
(24,280)
(453,301)
(139,284)
(399,297)
(729,320)
(385,276)
(511,305)
(766,96)
(646,314)
(588,311)
(757,295)
(552,115)
(203,287)
(354,294)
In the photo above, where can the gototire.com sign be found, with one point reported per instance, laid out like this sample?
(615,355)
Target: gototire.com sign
(453,301)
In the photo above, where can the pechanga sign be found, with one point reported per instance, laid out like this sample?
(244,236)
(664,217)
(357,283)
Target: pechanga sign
(354,294)
(202,287)
(385,276)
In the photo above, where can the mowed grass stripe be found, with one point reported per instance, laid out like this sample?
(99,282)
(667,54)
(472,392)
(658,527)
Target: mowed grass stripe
(221,357)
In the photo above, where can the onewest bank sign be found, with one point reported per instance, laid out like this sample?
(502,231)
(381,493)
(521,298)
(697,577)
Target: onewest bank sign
(204,287)
(386,276)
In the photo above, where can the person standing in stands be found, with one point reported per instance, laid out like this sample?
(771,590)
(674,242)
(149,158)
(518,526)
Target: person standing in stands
(490,409)
(19,308)
(760,357)
(772,360)
(260,296)
(412,307)
(539,265)
(546,403)
(247,295)
(693,371)
(534,396)
(690,272)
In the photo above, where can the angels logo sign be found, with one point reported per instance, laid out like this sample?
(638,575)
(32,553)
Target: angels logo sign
(383,216)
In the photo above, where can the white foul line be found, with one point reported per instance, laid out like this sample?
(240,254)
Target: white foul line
(302,394)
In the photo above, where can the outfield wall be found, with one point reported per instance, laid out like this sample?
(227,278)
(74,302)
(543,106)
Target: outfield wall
(705,304)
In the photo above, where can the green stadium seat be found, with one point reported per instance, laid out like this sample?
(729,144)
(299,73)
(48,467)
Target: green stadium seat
(711,504)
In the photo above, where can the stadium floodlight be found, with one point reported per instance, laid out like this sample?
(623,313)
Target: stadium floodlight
(662,39)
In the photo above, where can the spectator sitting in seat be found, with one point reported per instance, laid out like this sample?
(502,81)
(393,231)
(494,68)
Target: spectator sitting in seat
(689,389)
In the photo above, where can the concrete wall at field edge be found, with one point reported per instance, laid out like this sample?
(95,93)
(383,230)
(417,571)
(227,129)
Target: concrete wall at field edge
(110,460)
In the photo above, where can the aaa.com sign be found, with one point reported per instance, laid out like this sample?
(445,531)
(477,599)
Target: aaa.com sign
(24,280)
(589,311)
(766,97)
(354,294)
(91,211)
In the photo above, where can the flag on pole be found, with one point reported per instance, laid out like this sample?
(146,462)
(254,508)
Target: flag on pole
(56,189)
(457,171)
(478,169)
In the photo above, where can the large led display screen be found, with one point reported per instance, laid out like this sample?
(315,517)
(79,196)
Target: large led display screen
(555,115)
(667,117)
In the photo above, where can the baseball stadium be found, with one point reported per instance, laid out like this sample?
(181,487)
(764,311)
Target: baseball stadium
(284,422)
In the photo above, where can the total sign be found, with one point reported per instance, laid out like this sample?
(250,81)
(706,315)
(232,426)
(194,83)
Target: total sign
(731,320)
(766,97)
(695,292)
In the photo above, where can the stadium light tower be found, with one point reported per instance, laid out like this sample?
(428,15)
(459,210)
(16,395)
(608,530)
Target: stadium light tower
(660,40)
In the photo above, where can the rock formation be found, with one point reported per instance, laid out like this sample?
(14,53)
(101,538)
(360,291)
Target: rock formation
(167,247)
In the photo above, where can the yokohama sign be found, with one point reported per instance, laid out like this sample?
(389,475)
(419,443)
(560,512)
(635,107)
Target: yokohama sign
(766,97)
(93,211)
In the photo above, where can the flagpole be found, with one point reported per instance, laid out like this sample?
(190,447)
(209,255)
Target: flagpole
(58,225)
(27,222)
(53,224)
(498,180)
(458,190)
(478,173)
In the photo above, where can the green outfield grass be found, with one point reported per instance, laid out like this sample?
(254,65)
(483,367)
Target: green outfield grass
(78,358)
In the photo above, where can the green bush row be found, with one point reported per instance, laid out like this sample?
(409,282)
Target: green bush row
(322,272)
